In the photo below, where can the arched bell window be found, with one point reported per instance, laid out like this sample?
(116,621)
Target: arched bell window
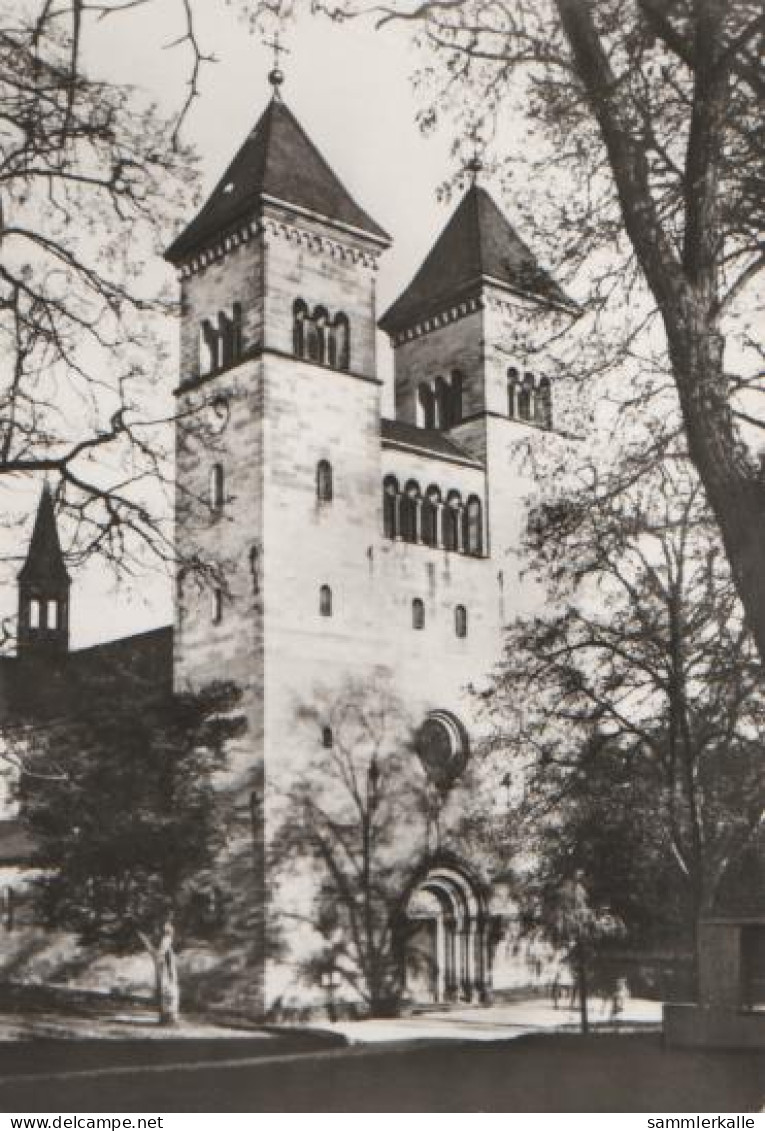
(209,345)
(327,738)
(299,327)
(544,403)
(473,527)
(513,389)
(430,507)
(456,398)
(225,338)
(426,407)
(390,506)
(324,488)
(340,343)
(451,519)
(410,503)
(443,406)
(35,614)
(319,340)
(526,398)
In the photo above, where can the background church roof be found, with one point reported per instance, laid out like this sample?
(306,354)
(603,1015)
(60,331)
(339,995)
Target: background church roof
(45,562)
(277,160)
(477,245)
(43,689)
(428,440)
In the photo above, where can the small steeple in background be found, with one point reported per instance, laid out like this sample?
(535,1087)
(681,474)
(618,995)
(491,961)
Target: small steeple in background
(43,624)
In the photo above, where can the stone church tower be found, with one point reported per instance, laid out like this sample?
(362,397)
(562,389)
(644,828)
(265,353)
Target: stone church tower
(333,545)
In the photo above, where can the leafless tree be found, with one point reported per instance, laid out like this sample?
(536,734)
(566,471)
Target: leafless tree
(358,813)
(92,179)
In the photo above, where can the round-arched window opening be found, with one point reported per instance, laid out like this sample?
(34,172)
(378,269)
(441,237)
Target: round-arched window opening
(442,747)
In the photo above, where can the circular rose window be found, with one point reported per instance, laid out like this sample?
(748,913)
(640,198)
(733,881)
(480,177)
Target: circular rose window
(442,746)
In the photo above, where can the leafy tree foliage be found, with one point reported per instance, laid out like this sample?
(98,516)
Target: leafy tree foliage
(639,742)
(121,801)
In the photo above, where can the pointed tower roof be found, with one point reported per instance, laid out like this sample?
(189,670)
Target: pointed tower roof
(477,245)
(278,161)
(44,564)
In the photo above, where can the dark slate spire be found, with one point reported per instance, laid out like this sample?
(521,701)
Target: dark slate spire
(278,161)
(478,245)
(45,562)
(44,587)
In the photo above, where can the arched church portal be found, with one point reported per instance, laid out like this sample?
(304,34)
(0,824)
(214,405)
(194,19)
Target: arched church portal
(445,952)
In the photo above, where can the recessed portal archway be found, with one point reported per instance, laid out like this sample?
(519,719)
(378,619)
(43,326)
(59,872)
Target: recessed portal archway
(445,951)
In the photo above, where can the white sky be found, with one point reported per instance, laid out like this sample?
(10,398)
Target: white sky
(350,88)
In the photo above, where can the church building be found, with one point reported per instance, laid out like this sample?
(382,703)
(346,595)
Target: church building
(340,547)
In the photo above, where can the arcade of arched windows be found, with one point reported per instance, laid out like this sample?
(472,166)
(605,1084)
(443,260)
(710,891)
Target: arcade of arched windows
(432,518)
(220,341)
(319,337)
(529,398)
(439,402)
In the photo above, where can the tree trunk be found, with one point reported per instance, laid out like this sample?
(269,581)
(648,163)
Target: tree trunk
(581,978)
(686,289)
(166,985)
(735,488)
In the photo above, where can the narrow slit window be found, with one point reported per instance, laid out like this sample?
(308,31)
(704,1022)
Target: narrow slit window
(217,487)
(325,601)
(216,605)
(418,614)
(52,620)
(324,487)
(460,621)
(34,613)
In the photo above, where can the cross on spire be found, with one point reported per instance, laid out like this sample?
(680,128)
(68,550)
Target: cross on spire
(276,75)
(474,165)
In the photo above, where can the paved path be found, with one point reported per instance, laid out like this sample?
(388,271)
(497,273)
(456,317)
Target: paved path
(113,1025)
(497,1022)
